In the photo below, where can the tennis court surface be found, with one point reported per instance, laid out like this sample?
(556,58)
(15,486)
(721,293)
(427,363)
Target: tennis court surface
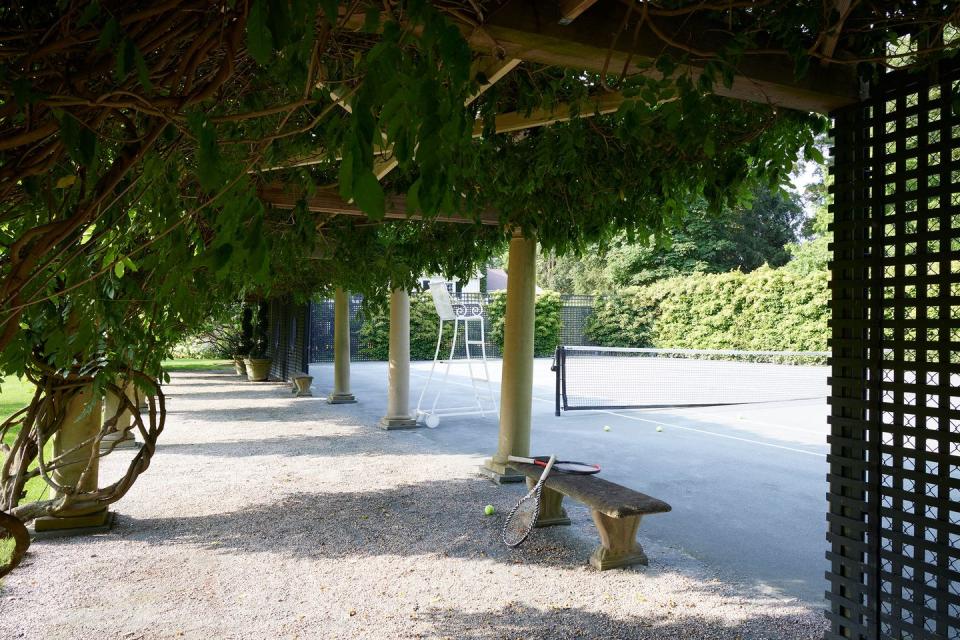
(746,481)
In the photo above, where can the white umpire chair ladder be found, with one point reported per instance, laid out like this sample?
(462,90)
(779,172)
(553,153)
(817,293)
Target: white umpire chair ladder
(466,314)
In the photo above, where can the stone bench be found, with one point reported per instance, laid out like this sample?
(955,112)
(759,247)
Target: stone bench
(616,511)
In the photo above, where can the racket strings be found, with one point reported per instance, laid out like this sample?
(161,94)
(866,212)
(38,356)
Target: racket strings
(521,520)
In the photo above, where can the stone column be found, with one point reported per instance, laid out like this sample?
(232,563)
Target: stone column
(82,422)
(398,375)
(516,383)
(121,437)
(341,349)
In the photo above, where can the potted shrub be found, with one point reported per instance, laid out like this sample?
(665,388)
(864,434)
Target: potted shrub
(246,342)
(257,363)
(258,367)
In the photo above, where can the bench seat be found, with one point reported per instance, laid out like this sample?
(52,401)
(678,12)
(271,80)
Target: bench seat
(616,510)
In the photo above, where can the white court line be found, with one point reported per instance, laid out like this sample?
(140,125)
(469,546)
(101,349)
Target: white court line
(712,433)
(671,425)
(707,414)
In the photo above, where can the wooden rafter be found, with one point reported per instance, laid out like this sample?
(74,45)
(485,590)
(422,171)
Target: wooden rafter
(530,30)
(514,121)
(517,121)
(276,195)
(570,10)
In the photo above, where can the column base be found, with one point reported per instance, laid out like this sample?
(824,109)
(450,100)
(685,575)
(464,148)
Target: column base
(389,424)
(341,398)
(114,441)
(54,526)
(500,473)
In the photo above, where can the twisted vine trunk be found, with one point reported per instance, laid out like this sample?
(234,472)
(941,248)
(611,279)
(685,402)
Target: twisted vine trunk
(71,472)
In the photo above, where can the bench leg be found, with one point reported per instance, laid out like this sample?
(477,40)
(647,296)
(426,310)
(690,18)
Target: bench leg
(618,542)
(552,512)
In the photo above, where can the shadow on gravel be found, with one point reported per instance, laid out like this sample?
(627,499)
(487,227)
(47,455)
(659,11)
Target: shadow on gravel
(441,517)
(254,415)
(290,446)
(518,621)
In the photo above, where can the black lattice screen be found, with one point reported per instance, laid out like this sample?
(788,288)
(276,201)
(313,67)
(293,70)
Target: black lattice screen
(894,500)
(288,329)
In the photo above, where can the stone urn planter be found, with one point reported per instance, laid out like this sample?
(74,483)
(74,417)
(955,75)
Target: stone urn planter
(258,369)
(239,366)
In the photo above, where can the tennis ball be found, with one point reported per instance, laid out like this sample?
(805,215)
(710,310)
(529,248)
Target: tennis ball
(659,428)
(606,427)
(489,510)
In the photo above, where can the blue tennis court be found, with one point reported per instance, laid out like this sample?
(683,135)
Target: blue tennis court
(746,482)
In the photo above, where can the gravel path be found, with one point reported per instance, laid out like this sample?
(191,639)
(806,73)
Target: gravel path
(266,516)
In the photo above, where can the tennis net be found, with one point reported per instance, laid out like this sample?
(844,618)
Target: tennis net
(622,378)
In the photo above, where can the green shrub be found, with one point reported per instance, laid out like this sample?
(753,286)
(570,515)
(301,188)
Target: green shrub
(375,330)
(547,326)
(767,309)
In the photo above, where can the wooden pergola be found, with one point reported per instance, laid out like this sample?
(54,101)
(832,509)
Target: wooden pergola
(895,404)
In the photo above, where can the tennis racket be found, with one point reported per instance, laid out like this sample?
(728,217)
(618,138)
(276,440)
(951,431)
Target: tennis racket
(560,466)
(523,517)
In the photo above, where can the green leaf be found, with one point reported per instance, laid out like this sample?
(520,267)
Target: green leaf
(368,194)
(81,143)
(709,146)
(208,153)
(279,22)
(125,54)
(371,20)
(259,40)
(330,9)
(91,12)
(955,105)
(118,269)
(143,73)
(109,34)
(221,256)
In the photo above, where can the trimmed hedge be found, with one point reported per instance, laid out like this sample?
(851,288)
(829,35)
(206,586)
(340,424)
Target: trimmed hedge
(547,326)
(766,309)
(375,330)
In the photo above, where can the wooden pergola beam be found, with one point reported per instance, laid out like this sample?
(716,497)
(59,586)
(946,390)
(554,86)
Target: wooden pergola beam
(570,10)
(276,195)
(517,121)
(531,30)
(507,123)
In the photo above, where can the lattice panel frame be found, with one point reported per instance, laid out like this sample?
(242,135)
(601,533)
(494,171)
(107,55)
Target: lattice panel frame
(894,498)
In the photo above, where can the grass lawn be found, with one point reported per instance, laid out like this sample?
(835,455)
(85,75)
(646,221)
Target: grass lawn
(187,364)
(14,395)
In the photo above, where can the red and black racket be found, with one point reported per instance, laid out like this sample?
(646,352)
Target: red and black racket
(571,467)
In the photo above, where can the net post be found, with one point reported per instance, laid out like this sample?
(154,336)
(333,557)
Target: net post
(557,359)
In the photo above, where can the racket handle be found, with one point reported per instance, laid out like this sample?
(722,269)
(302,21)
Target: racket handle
(521,459)
(546,470)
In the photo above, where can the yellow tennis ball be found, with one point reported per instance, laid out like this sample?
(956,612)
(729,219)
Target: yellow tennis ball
(489,510)
(659,428)
(606,427)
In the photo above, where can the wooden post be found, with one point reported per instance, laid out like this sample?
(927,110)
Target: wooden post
(516,384)
(341,349)
(398,374)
